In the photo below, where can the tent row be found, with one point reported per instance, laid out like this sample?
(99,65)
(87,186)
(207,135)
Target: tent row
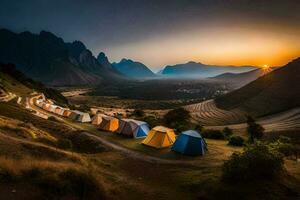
(65,112)
(188,142)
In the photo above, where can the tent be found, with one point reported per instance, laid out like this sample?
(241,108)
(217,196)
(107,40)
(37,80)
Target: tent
(160,137)
(67,113)
(122,123)
(52,108)
(46,106)
(190,143)
(97,119)
(79,116)
(135,128)
(109,124)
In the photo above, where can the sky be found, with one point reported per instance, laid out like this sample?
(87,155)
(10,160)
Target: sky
(166,32)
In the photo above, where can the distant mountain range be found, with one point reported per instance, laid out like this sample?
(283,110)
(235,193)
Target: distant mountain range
(47,58)
(274,92)
(241,79)
(199,70)
(133,69)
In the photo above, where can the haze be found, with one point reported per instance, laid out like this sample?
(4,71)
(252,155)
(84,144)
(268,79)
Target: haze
(160,33)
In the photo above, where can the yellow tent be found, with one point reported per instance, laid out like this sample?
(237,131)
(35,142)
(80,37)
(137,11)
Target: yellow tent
(109,124)
(160,137)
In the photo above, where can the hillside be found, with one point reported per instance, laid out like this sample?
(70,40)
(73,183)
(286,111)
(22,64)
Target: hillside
(14,81)
(237,80)
(133,69)
(47,58)
(274,92)
(199,70)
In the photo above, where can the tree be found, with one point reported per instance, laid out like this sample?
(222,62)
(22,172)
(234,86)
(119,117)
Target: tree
(178,119)
(255,131)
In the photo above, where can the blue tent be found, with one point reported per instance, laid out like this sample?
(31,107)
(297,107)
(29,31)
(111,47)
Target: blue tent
(190,143)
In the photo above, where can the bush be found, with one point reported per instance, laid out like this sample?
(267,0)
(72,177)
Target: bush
(236,141)
(227,132)
(284,146)
(152,121)
(258,161)
(179,119)
(138,113)
(213,134)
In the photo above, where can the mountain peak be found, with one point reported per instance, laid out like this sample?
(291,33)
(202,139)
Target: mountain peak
(103,60)
(133,69)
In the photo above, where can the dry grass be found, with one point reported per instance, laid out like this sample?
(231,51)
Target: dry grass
(57,179)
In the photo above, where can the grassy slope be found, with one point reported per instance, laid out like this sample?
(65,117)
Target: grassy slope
(272,93)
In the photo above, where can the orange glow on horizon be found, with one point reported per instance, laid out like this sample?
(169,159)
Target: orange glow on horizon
(215,46)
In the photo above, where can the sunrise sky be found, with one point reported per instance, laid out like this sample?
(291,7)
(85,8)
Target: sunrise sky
(159,33)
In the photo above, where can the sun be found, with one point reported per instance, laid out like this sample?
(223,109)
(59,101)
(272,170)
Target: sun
(265,66)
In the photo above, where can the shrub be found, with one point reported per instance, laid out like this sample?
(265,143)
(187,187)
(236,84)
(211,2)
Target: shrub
(254,130)
(138,113)
(152,121)
(258,161)
(227,132)
(236,141)
(213,134)
(284,146)
(64,144)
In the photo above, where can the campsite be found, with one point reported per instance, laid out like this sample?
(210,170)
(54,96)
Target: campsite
(149,100)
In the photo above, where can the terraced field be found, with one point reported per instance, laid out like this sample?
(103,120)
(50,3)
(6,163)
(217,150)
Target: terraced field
(212,117)
(206,113)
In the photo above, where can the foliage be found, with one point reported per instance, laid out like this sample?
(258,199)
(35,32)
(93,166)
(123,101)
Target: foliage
(178,119)
(284,146)
(236,141)
(213,134)
(255,131)
(258,161)
(138,113)
(227,132)
(152,121)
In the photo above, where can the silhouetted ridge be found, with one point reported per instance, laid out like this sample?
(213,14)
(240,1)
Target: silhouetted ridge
(274,92)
